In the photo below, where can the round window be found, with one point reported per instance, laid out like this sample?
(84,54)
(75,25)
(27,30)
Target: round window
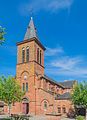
(25,77)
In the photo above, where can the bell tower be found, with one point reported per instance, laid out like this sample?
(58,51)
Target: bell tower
(30,52)
(30,63)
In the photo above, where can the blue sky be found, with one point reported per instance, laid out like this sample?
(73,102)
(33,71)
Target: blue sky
(62,28)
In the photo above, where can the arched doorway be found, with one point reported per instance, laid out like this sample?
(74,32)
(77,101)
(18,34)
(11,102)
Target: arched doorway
(25,106)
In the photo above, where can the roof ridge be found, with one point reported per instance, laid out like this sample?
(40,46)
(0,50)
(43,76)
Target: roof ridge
(52,80)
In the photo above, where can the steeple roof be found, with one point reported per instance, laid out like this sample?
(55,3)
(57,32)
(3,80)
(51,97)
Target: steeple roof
(31,31)
(31,35)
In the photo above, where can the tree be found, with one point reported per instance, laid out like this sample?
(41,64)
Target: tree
(2,33)
(79,95)
(10,91)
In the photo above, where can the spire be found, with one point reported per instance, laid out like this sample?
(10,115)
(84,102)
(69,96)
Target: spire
(31,30)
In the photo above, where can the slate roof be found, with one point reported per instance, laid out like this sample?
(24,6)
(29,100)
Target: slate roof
(68,84)
(63,96)
(31,30)
(65,84)
(31,34)
(51,80)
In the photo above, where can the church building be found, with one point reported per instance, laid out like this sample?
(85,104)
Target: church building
(44,96)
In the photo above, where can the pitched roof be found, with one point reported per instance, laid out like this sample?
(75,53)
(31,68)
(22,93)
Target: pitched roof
(65,84)
(68,84)
(31,30)
(63,96)
(51,80)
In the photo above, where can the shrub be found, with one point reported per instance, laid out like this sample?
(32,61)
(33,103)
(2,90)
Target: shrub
(71,113)
(80,117)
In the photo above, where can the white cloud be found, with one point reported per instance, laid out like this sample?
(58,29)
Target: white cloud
(45,5)
(66,62)
(74,73)
(66,66)
(53,51)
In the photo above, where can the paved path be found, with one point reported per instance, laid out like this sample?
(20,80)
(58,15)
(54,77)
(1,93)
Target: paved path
(67,119)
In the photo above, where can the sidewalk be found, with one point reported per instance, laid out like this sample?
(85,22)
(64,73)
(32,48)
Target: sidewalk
(67,119)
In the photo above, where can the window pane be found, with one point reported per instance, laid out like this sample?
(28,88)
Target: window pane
(40,57)
(23,88)
(27,55)
(64,110)
(45,105)
(23,55)
(59,110)
(26,87)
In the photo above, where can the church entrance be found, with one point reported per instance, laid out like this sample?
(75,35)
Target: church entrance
(25,106)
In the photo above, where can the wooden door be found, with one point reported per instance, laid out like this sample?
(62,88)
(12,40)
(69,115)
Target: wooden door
(25,108)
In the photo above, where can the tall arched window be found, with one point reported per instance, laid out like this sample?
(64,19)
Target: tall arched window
(59,109)
(23,55)
(38,55)
(26,87)
(23,87)
(64,109)
(45,105)
(27,54)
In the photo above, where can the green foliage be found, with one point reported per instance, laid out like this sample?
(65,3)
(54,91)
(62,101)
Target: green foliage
(80,117)
(10,91)
(79,95)
(2,33)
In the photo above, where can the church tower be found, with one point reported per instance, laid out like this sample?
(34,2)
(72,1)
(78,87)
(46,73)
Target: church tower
(30,62)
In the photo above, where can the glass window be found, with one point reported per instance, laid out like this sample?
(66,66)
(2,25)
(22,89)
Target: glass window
(64,110)
(38,55)
(27,54)
(23,87)
(23,55)
(59,109)
(45,105)
(26,87)
(25,77)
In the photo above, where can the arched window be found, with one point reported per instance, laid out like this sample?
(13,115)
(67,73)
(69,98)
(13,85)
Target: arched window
(38,55)
(23,55)
(45,105)
(26,87)
(23,88)
(27,54)
(59,109)
(64,109)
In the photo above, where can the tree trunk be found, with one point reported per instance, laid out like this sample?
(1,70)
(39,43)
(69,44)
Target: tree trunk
(86,113)
(9,109)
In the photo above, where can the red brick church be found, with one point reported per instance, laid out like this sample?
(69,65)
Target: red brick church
(44,96)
